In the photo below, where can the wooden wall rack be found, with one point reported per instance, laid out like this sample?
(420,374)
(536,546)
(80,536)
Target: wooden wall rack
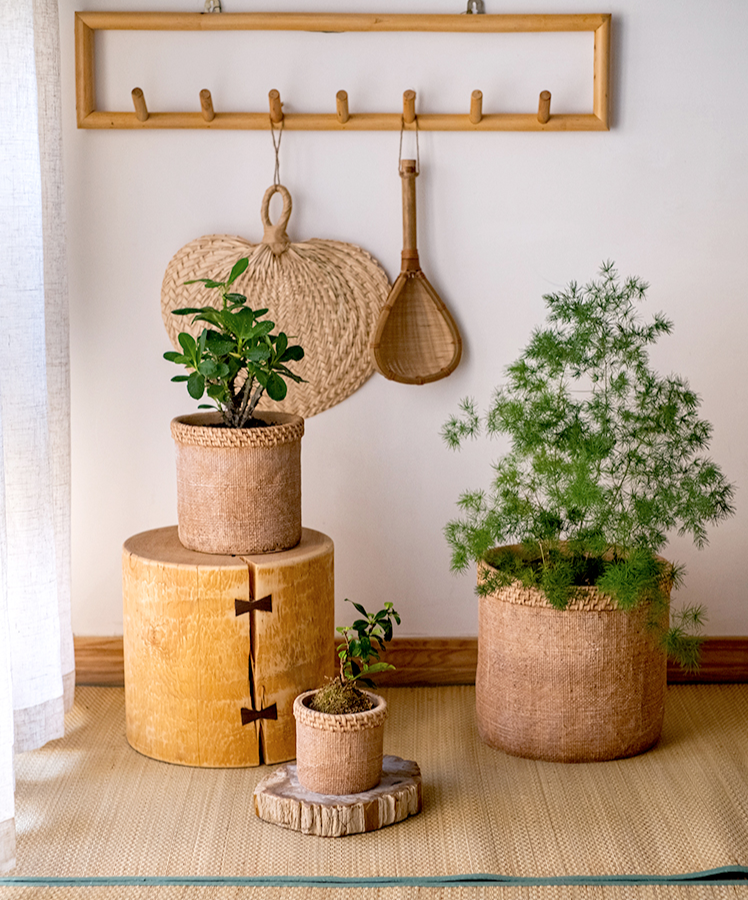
(343,119)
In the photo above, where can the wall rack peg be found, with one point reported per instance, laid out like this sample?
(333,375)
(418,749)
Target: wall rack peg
(276,107)
(409,107)
(475,118)
(141,110)
(544,107)
(476,107)
(341,100)
(206,105)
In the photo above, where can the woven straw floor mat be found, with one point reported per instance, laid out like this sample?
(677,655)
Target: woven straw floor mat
(89,805)
(551,892)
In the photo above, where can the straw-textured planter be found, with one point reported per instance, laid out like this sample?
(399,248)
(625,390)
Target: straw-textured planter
(339,754)
(575,685)
(238,489)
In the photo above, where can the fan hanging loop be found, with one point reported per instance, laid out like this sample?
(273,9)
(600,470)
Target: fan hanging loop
(276,148)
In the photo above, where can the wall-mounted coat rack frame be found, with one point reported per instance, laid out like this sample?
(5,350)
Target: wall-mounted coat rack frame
(343,119)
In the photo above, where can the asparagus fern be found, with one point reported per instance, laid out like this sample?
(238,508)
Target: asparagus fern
(607,457)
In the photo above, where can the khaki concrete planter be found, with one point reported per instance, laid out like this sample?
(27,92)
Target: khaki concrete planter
(575,685)
(238,489)
(339,754)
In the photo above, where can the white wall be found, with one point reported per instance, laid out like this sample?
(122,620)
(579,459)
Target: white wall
(503,218)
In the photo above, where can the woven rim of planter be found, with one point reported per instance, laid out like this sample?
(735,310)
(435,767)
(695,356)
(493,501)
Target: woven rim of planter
(359,721)
(584,597)
(196,430)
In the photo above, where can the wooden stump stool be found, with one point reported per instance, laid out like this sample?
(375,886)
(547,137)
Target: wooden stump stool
(218,647)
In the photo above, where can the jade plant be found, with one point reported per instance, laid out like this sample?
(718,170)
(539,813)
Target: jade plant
(358,656)
(606,458)
(236,358)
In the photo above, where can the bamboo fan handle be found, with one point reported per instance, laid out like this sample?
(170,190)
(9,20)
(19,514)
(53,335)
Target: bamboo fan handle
(275,235)
(408,173)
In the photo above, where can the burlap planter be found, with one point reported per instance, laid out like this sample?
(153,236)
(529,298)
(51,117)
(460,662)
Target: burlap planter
(339,754)
(238,489)
(575,685)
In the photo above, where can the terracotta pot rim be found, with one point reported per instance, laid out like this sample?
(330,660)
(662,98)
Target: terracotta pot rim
(194,429)
(357,721)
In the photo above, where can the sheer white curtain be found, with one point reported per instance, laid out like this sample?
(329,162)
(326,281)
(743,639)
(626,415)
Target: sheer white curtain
(36,646)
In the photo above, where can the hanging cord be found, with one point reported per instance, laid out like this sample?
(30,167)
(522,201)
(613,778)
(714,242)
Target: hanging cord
(276,147)
(400,155)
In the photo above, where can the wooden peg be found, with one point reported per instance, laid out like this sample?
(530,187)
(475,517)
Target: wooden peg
(138,99)
(206,105)
(476,107)
(276,107)
(544,107)
(409,107)
(341,98)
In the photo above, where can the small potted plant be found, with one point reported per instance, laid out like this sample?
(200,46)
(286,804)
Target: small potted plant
(340,728)
(606,457)
(238,470)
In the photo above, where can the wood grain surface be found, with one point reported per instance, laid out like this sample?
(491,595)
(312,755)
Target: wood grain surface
(186,656)
(196,666)
(292,646)
(280,799)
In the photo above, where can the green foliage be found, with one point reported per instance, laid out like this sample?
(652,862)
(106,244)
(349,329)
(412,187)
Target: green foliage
(236,358)
(363,642)
(359,659)
(606,459)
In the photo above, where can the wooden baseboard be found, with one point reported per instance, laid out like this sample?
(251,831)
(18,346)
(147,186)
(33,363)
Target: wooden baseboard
(430,661)
(427,661)
(724,660)
(99,661)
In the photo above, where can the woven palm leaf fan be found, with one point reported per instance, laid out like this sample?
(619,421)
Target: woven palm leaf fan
(416,340)
(326,294)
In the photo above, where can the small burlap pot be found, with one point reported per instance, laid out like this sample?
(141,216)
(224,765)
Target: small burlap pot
(576,685)
(238,489)
(339,754)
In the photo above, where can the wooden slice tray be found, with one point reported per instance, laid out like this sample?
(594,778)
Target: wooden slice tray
(281,800)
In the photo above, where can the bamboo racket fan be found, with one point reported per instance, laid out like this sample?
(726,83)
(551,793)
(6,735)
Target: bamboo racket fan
(326,294)
(416,340)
